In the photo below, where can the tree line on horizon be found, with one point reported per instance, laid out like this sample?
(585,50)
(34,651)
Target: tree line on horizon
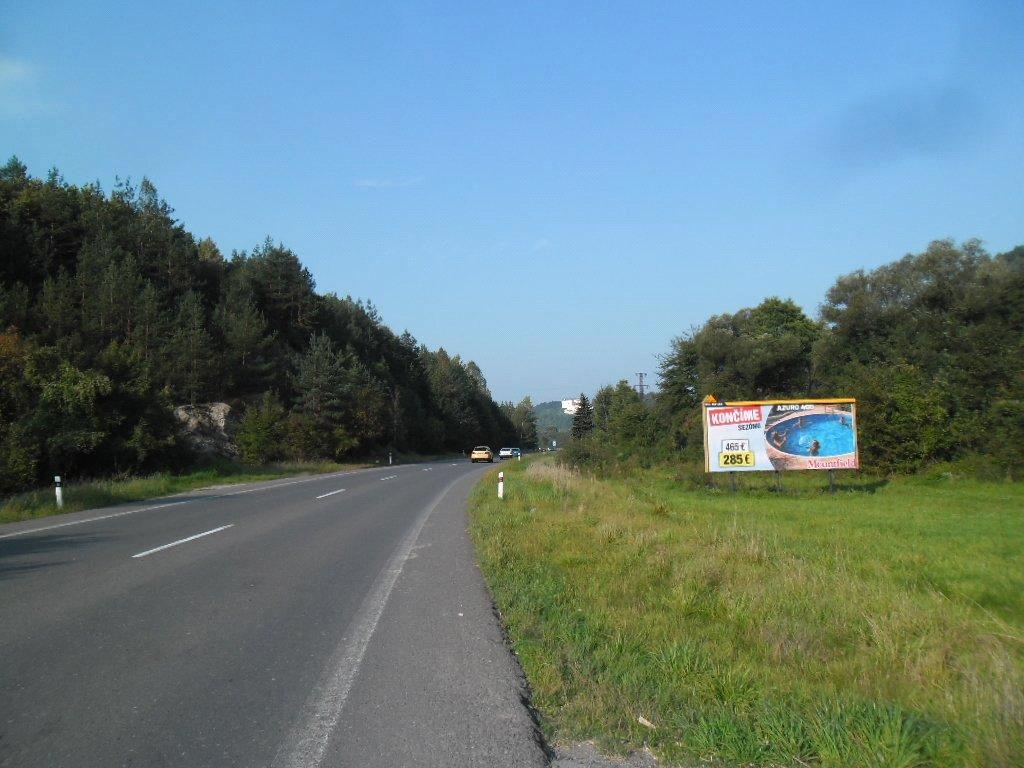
(930,345)
(111,313)
(523,417)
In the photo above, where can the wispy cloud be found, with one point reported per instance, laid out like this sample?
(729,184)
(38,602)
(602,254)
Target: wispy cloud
(387,183)
(917,121)
(13,72)
(19,90)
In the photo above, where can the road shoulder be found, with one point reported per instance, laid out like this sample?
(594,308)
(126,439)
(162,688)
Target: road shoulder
(438,684)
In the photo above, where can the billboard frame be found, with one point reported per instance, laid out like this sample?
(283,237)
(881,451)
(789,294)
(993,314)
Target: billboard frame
(712,402)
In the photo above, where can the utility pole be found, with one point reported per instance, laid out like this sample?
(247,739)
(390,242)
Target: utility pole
(640,386)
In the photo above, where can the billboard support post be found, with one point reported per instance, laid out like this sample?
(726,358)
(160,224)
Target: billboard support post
(732,481)
(831,481)
(778,481)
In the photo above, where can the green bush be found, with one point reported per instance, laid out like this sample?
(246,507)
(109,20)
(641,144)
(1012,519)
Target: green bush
(261,433)
(587,453)
(902,418)
(1005,438)
(17,459)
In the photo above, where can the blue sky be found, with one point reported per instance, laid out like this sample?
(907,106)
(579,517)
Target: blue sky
(595,178)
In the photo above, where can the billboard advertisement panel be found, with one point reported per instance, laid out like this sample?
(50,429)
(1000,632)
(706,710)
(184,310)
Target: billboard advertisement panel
(780,435)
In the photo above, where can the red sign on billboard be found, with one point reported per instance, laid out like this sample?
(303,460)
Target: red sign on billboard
(720,417)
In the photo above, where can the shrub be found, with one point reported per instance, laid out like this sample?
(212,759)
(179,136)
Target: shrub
(18,459)
(903,421)
(1005,437)
(260,435)
(585,453)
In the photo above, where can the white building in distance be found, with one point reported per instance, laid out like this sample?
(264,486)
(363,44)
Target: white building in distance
(570,406)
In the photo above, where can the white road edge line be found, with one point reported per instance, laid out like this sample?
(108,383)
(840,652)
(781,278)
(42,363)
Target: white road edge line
(306,745)
(182,541)
(29,531)
(92,519)
(330,493)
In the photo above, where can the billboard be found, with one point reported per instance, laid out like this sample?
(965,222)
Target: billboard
(779,435)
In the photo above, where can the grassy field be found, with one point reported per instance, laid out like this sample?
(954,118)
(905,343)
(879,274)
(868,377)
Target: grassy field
(102,493)
(882,625)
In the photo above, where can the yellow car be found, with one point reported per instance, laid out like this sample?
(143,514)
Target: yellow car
(481,453)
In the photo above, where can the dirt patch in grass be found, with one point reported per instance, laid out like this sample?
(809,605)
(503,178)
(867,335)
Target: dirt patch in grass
(587,755)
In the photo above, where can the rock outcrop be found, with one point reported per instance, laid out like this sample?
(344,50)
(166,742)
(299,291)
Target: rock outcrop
(205,427)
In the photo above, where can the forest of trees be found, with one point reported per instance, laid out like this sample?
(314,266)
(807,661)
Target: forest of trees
(524,421)
(111,313)
(932,347)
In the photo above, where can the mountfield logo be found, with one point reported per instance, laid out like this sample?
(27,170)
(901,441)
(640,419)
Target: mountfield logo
(723,417)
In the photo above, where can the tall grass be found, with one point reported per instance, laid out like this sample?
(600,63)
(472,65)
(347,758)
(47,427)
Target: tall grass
(882,625)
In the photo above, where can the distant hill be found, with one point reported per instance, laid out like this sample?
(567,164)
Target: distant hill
(551,415)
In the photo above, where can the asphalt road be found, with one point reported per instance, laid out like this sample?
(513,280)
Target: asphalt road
(338,620)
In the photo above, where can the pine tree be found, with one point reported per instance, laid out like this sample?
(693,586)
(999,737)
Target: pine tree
(283,290)
(326,394)
(260,433)
(57,307)
(149,323)
(14,305)
(192,362)
(525,422)
(583,420)
(247,345)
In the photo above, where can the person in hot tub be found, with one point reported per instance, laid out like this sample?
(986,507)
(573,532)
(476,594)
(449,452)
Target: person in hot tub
(815,448)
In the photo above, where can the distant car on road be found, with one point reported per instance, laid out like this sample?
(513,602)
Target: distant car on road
(506,453)
(481,453)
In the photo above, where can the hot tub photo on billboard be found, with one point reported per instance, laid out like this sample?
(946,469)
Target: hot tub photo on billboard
(819,436)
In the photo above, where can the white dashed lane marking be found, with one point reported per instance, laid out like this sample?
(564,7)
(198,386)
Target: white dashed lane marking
(182,541)
(30,531)
(330,493)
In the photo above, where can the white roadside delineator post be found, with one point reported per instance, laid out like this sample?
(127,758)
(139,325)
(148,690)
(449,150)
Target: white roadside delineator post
(501,485)
(58,491)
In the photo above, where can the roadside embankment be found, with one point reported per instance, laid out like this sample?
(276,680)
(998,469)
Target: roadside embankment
(880,625)
(89,494)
